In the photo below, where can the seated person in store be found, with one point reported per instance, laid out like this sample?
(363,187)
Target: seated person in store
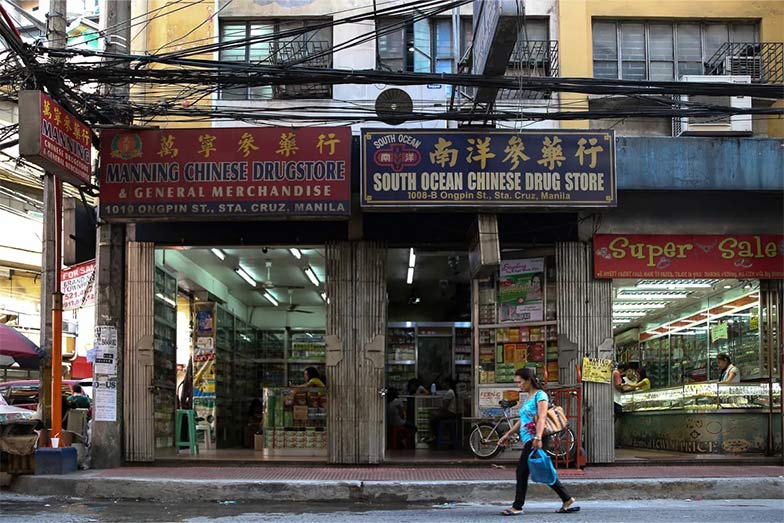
(629,379)
(401,430)
(448,409)
(78,400)
(312,378)
(414,386)
(729,372)
(643,383)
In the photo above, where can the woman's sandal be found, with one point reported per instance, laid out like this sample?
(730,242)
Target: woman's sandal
(512,512)
(568,509)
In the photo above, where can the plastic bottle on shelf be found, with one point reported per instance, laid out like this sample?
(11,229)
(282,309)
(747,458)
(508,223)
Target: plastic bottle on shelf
(433,388)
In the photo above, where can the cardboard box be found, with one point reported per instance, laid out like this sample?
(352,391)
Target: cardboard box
(258,442)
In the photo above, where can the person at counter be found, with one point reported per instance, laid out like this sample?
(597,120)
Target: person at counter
(312,378)
(414,386)
(448,409)
(642,383)
(729,372)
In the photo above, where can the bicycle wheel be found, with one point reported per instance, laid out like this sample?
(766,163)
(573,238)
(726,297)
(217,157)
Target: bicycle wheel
(484,441)
(562,445)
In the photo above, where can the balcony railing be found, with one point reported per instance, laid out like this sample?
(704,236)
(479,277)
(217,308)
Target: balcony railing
(764,62)
(535,58)
(294,53)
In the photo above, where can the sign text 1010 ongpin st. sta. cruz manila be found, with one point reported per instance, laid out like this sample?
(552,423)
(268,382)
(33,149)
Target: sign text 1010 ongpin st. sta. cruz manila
(490,169)
(214,173)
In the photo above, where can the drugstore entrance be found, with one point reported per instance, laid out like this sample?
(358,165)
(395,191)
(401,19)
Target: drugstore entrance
(240,353)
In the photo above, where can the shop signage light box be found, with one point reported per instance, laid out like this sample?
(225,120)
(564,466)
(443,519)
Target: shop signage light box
(218,173)
(54,139)
(488,169)
(688,256)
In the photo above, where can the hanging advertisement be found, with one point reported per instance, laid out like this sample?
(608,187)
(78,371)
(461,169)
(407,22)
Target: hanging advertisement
(688,256)
(488,169)
(105,350)
(214,173)
(77,283)
(521,290)
(597,370)
(54,139)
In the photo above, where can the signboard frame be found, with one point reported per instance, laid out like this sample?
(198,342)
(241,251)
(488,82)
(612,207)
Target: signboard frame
(225,173)
(684,256)
(42,124)
(403,148)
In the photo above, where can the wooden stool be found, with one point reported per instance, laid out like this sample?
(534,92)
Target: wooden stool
(190,418)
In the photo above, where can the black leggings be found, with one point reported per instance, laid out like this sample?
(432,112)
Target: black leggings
(522,481)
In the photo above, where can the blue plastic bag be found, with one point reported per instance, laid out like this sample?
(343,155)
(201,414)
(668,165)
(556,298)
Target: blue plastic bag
(541,468)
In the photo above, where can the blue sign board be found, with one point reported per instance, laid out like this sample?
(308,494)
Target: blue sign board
(488,168)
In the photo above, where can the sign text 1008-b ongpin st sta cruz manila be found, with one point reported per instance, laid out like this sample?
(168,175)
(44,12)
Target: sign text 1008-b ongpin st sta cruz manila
(213,173)
(493,168)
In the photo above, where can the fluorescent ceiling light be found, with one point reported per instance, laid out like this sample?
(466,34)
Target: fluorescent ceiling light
(312,276)
(245,276)
(641,295)
(638,306)
(674,285)
(620,321)
(219,253)
(625,313)
(271,298)
(410,276)
(411,258)
(323,296)
(296,253)
(166,299)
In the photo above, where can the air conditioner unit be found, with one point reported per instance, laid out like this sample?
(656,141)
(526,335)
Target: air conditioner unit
(744,66)
(715,126)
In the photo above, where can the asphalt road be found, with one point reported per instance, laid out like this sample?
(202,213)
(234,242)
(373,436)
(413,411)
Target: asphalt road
(26,509)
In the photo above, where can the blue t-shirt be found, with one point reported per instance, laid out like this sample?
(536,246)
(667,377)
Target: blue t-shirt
(528,414)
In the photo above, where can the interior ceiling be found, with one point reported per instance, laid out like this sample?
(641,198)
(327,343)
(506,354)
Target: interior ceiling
(438,276)
(696,298)
(285,270)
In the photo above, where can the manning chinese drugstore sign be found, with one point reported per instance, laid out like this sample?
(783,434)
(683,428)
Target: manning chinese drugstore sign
(494,168)
(213,173)
(682,256)
(53,138)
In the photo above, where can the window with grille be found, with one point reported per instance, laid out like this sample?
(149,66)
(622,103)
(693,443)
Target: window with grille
(660,51)
(277,42)
(423,46)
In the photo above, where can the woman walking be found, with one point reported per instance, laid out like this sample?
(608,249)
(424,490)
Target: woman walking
(535,408)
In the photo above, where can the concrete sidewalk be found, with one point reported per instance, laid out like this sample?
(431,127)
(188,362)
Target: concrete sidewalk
(395,484)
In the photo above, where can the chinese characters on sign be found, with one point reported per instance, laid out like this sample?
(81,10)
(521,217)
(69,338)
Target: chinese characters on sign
(53,138)
(248,172)
(688,256)
(494,168)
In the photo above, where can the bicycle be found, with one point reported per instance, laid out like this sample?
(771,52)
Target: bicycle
(483,440)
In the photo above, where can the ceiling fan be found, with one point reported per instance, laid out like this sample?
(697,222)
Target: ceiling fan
(293,307)
(267,283)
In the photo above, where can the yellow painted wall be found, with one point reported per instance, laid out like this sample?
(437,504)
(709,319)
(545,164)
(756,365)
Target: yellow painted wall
(575,16)
(168,31)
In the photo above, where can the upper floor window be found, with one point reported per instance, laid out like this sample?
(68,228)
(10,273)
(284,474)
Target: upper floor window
(636,50)
(277,42)
(425,46)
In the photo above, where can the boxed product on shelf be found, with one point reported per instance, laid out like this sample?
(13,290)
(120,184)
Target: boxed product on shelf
(521,355)
(535,334)
(509,352)
(536,352)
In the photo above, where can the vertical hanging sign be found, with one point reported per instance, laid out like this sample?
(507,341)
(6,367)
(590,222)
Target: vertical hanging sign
(53,138)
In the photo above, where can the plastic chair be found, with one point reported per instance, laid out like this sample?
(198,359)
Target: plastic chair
(204,428)
(189,416)
(447,436)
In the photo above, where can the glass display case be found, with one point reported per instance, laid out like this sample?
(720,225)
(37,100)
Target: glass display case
(164,357)
(703,418)
(294,422)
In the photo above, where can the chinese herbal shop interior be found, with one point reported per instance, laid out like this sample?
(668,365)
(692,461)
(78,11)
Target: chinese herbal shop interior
(240,342)
(699,362)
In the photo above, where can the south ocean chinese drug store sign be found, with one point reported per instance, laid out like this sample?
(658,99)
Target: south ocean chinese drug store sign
(490,169)
(214,173)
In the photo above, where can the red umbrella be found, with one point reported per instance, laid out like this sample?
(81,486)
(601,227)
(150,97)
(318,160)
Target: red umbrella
(13,344)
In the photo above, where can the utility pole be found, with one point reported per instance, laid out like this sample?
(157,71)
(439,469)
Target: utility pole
(107,436)
(51,298)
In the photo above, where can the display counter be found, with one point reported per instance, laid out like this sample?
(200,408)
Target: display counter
(294,422)
(704,418)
